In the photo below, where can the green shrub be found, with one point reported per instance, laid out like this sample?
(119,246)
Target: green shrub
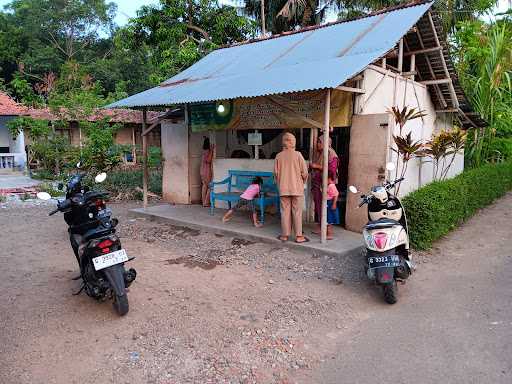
(501,148)
(43,174)
(125,182)
(154,157)
(48,187)
(437,208)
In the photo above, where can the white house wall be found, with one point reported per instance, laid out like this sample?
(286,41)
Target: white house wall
(16,146)
(384,91)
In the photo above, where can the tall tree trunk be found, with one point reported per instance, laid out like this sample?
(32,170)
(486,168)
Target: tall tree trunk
(308,13)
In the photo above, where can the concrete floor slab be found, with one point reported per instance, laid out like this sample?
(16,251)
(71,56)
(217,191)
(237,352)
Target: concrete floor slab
(16,180)
(197,217)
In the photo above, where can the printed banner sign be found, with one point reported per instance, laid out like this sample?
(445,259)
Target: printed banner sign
(263,113)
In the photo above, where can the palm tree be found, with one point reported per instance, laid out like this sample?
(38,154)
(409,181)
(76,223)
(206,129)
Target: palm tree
(286,15)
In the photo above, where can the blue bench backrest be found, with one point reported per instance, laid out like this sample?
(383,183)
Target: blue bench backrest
(240,180)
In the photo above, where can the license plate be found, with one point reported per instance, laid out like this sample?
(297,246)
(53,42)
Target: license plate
(109,259)
(383,261)
(104,212)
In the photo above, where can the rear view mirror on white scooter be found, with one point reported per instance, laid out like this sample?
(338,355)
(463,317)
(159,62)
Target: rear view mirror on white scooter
(353,189)
(43,196)
(390,166)
(100,177)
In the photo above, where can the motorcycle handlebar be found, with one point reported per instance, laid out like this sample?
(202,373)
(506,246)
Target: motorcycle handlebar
(53,212)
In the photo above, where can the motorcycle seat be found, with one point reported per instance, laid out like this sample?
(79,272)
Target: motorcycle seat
(381,223)
(96,232)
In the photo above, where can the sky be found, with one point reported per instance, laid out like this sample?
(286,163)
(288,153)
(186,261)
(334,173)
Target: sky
(128,8)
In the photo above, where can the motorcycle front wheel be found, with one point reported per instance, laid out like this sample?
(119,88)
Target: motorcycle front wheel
(390,291)
(121,304)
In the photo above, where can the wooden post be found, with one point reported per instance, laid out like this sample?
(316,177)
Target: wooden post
(145,158)
(413,66)
(310,212)
(325,164)
(400,55)
(256,149)
(262,9)
(134,145)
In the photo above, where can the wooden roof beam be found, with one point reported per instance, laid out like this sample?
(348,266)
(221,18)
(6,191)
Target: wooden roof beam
(436,81)
(157,120)
(393,54)
(461,112)
(350,89)
(431,70)
(455,100)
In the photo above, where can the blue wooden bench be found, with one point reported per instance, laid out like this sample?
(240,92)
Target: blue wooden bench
(237,182)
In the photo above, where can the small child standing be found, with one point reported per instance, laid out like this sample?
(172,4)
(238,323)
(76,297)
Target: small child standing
(247,199)
(333,214)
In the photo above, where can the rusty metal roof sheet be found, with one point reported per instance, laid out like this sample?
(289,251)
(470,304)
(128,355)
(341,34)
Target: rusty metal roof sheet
(316,58)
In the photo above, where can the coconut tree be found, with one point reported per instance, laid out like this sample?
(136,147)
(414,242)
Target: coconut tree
(286,15)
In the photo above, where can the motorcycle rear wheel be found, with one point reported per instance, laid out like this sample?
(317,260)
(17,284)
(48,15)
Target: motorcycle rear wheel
(390,292)
(121,304)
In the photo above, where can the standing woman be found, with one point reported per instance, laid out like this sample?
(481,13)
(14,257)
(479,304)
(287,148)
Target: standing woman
(206,171)
(291,173)
(316,176)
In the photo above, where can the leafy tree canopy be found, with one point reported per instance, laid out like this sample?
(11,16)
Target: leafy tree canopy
(177,33)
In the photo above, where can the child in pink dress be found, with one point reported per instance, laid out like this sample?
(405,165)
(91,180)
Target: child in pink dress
(247,198)
(333,214)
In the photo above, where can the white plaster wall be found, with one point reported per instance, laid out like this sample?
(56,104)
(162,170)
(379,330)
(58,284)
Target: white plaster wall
(382,92)
(175,183)
(222,166)
(18,148)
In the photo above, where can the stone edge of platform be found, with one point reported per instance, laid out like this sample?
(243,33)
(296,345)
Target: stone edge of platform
(139,212)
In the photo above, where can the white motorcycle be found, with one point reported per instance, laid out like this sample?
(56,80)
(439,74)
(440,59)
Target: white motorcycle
(386,238)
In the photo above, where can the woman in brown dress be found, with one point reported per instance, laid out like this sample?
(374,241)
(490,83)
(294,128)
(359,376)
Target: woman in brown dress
(291,173)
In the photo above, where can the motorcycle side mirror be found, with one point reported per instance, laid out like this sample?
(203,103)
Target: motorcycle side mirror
(390,166)
(100,177)
(60,186)
(79,164)
(44,196)
(352,189)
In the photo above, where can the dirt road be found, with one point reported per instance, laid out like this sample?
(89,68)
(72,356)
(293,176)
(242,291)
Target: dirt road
(209,309)
(453,323)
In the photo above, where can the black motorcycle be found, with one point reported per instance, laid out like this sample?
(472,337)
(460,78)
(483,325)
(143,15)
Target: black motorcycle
(94,241)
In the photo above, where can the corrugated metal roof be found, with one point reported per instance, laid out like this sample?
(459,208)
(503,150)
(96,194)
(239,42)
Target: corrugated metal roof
(317,58)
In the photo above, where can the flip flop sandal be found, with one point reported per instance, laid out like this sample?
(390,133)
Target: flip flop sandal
(306,240)
(282,239)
